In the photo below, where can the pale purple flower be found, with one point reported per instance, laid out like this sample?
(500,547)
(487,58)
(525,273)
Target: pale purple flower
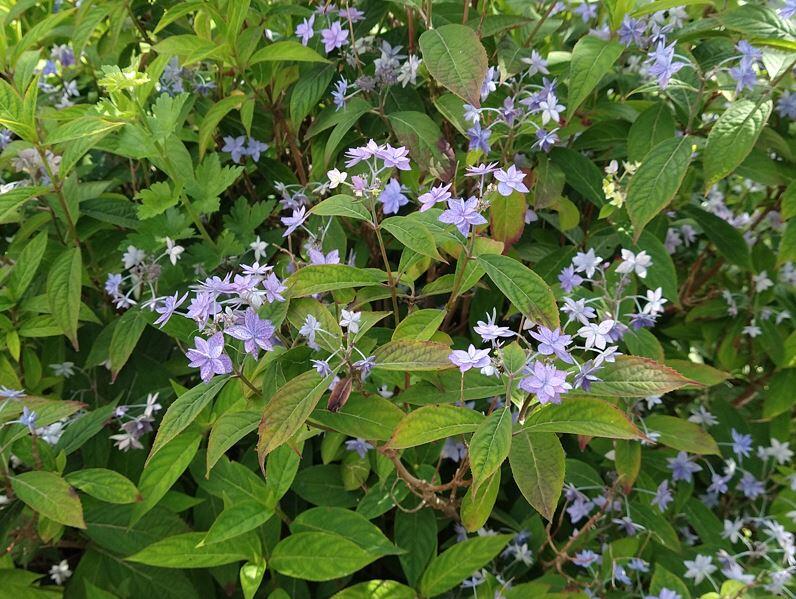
(5,137)
(597,334)
(255,148)
(545,140)
(741,444)
(364,366)
(463,214)
(472,358)
(579,509)
(361,446)
(546,381)
(203,306)
(699,568)
(553,342)
(788,9)
(294,221)
(433,196)
(586,11)
(510,180)
(786,105)
(586,558)
(352,13)
(273,288)
(744,76)
(395,157)
(663,496)
(490,331)
(339,92)
(321,366)
(318,257)
(255,332)
(209,357)
(304,30)
(479,138)
(453,450)
(334,37)
(578,310)
(682,467)
(619,575)
(391,198)
(750,486)
(631,31)
(481,170)
(167,307)
(569,279)
(28,418)
(8,393)
(536,64)
(661,65)
(112,284)
(236,146)
(490,83)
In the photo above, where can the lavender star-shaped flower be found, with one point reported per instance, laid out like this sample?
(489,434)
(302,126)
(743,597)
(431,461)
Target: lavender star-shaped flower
(209,357)
(255,332)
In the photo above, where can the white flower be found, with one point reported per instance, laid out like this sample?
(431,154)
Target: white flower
(762,282)
(587,262)
(597,335)
(612,168)
(699,568)
(336,177)
(551,110)
(732,530)
(752,330)
(407,75)
(60,573)
(781,452)
(173,250)
(702,416)
(258,246)
(133,257)
(655,301)
(51,434)
(350,320)
(634,262)
(152,405)
(64,369)
(4,500)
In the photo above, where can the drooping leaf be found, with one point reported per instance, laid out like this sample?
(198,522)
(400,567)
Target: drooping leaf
(49,495)
(489,446)
(430,423)
(537,463)
(63,291)
(592,59)
(633,376)
(582,416)
(456,59)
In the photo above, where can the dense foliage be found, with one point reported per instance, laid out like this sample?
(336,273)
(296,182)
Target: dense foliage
(406,298)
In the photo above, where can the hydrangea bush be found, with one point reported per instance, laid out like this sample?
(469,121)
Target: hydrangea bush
(406,298)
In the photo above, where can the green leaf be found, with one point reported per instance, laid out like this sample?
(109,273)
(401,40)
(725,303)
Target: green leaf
(375,589)
(681,434)
(406,355)
(787,244)
(372,417)
(419,325)
(230,428)
(592,59)
(455,58)
(318,556)
(288,409)
(213,117)
(733,136)
(654,125)
(477,507)
(302,307)
(308,91)
(416,534)
(342,205)
(183,551)
(348,117)
(15,198)
(105,485)
(582,416)
(63,291)
(251,576)
(125,337)
(779,397)
(26,265)
(728,240)
(430,423)
(526,290)
(329,277)
(663,579)
(657,180)
(759,22)
(421,135)
(81,127)
(489,446)
(237,519)
(581,174)
(412,234)
(701,373)
(286,50)
(507,217)
(627,459)
(190,48)
(537,464)
(183,411)
(459,561)
(632,376)
(49,495)
(163,471)
(345,523)
(84,427)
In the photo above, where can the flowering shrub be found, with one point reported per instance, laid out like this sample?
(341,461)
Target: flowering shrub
(397,299)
